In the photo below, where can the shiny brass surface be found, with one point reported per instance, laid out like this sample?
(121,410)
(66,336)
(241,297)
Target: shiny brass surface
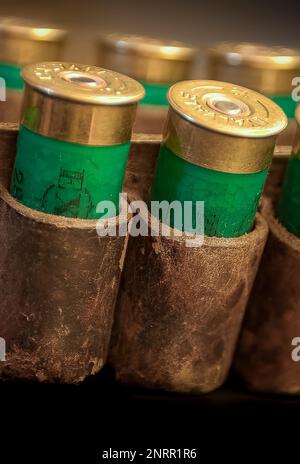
(145,58)
(83,83)
(79,103)
(221,126)
(23,42)
(227,108)
(266,69)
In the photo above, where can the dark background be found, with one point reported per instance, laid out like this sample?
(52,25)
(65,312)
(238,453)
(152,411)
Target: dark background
(197,22)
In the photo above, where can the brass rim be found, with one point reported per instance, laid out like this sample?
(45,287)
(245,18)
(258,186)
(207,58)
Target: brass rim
(227,108)
(223,127)
(266,69)
(217,151)
(146,59)
(257,55)
(79,103)
(23,42)
(149,46)
(83,83)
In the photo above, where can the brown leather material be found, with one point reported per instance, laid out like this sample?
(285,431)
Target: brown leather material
(264,356)
(10,110)
(141,166)
(279,164)
(287,136)
(275,177)
(8,143)
(139,171)
(58,286)
(150,119)
(180,309)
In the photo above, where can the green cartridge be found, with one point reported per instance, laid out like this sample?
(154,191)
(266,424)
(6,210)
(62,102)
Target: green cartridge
(289,203)
(74,138)
(217,148)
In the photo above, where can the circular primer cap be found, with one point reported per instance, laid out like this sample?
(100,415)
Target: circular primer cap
(83,83)
(150,47)
(257,55)
(227,108)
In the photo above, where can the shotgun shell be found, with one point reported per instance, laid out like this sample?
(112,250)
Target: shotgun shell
(74,138)
(266,69)
(156,64)
(289,204)
(22,42)
(218,146)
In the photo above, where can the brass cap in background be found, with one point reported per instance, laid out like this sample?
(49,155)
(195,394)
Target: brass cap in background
(79,103)
(145,58)
(22,42)
(222,126)
(266,69)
